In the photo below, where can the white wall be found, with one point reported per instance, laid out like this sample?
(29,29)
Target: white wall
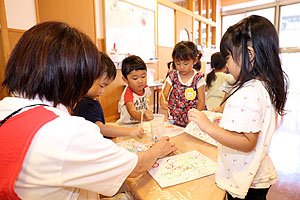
(166,26)
(149,4)
(20,14)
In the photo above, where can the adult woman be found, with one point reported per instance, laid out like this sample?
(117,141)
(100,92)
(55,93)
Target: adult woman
(55,65)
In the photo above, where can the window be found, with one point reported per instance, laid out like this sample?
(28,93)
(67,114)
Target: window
(196,31)
(229,20)
(289,26)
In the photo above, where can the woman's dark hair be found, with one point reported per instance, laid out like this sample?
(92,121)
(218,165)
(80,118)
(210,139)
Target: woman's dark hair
(132,63)
(53,61)
(261,35)
(108,66)
(187,50)
(217,62)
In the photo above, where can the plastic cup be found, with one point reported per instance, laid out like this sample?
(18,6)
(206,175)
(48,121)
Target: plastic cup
(156,126)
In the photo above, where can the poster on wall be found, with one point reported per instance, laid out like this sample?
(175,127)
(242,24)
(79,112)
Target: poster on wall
(129,30)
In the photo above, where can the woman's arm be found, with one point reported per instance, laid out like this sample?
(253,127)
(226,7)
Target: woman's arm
(244,142)
(146,159)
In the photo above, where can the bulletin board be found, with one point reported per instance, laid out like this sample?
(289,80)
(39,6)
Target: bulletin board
(130,28)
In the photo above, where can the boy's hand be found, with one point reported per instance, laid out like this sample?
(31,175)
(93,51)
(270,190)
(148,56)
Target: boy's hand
(136,132)
(199,118)
(148,115)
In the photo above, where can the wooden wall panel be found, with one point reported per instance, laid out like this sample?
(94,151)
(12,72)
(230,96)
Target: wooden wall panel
(232,2)
(101,44)
(110,98)
(183,21)
(2,68)
(164,56)
(79,13)
(4,46)
(14,36)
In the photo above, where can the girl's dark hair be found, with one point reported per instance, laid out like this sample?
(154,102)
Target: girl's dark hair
(171,65)
(53,61)
(217,62)
(132,63)
(258,32)
(186,50)
(108,66)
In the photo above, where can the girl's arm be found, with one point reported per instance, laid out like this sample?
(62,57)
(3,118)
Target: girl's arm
(109,130)
(137,114)
(244,142)
(201,98)
(163,100)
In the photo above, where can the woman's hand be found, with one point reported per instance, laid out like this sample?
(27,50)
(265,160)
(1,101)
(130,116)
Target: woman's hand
(164,147)
(146,159)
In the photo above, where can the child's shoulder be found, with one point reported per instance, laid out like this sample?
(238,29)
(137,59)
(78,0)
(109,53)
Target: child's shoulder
(254,89)
(172,72)
(199,75)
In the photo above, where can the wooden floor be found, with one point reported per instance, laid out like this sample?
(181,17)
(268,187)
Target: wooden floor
(285,154)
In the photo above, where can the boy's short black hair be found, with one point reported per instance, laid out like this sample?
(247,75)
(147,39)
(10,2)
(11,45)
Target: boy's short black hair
(108,66)
(132,63)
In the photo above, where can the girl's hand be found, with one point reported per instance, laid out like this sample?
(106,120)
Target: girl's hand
(136,132)
(164,105)
(199,118)
(164,147)
(148,115)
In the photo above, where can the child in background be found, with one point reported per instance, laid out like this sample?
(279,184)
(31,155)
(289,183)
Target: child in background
(184,86)
(134,100)
(214,80)
(90,108)
(244,167)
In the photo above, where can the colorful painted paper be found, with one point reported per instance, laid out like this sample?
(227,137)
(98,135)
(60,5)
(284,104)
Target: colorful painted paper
(182,168)
(132,145)
(193,129)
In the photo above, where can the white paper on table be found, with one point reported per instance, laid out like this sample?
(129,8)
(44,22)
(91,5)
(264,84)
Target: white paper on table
(132,145)
(193,129)
(172,130)
(181,168)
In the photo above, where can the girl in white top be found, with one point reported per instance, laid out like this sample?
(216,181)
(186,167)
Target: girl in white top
(244,167)
(55,65)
